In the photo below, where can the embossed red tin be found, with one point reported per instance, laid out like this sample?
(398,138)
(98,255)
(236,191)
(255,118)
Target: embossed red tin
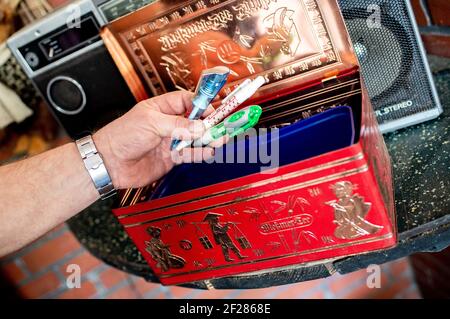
(327,207)
(335,205)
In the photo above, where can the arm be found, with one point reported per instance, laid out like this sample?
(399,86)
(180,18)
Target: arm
(34,195)
(42,192)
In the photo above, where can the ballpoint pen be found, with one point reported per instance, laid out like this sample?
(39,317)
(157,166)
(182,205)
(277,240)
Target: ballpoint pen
(210,83)
(233,125)
(238,96)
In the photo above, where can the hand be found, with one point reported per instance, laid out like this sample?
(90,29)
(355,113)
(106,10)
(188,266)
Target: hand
(136,147)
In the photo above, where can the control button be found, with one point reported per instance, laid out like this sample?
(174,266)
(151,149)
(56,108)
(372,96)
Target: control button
(32,59)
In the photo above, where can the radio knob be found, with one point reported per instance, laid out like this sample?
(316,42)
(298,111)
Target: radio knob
(32,59)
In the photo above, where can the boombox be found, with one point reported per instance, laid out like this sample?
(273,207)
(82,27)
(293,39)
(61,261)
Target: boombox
(69,65)
(393,61)
(324,193)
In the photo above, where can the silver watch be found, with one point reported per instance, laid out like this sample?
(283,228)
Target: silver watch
(95,166)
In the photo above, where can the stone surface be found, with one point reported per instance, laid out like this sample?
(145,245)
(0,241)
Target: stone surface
(421,162)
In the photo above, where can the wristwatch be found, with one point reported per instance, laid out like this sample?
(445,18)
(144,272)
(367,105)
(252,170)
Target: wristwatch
(95,166)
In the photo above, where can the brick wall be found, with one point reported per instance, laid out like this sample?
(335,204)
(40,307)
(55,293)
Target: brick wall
(433,17)
(432,273)
(39,271)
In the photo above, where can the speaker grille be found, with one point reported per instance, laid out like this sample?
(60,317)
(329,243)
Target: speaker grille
(394,70)
(66,95)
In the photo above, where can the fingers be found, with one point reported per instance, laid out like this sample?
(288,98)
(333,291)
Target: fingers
(208,111)
(173,103)
(219,142)
(177,127)
(192,155)
(198,154)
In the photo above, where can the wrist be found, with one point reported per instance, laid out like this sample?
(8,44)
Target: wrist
(95,165)
(88,187)
(103,144)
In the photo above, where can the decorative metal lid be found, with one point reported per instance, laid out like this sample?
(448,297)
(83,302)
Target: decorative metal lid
(164,46)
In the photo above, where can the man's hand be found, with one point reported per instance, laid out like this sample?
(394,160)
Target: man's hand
(136,147)
(55,185)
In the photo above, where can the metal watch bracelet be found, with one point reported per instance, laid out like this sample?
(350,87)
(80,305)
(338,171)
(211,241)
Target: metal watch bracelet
(95,166)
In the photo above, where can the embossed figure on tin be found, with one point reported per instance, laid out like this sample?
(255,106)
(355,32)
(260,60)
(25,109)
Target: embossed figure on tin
(160,252)
(282,28)
(221,237)
(178,70)
(350,213)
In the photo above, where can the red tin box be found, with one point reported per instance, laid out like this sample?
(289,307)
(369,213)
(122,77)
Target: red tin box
(327,207)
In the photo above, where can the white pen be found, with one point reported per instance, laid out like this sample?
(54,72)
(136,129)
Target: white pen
(239,87)
(242,93)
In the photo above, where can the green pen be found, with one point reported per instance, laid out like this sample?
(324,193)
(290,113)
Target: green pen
(235,124)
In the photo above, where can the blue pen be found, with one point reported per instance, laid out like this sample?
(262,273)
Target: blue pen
(210,83)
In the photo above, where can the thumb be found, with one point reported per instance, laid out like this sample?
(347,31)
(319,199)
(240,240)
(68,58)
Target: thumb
(178,127)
